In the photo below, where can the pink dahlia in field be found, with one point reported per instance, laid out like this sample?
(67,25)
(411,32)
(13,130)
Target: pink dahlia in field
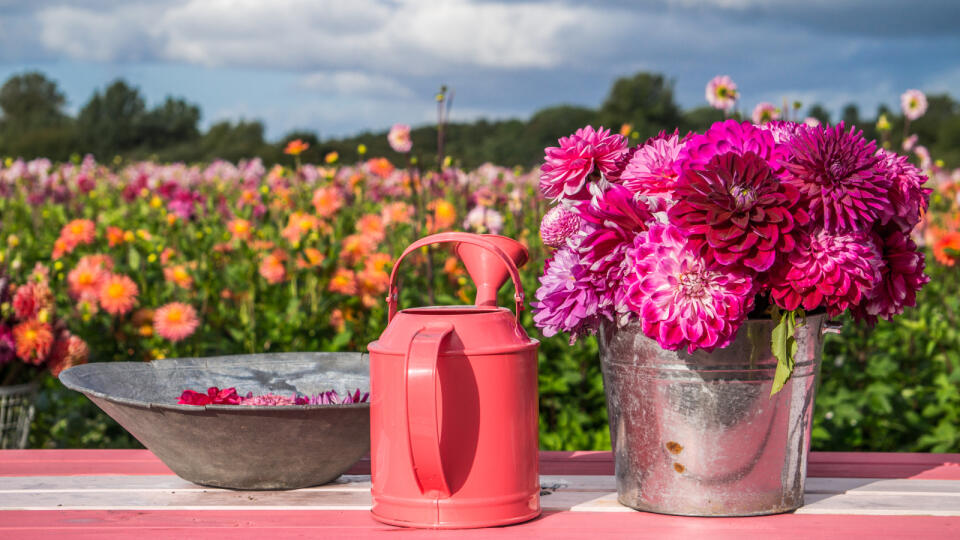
(652,169)
(175,321)
(833,270)
(913,103)
(907,195)
(730,136)
(566,300)
(685,301)
(559,224)
(567,168)
(765,112)
(399,138)
(840,176)
(722,93)
(736,212)
(901,277)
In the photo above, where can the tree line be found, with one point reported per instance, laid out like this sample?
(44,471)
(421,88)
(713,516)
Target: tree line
(116,121)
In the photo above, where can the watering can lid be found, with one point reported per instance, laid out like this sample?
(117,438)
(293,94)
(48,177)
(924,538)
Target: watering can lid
(476,330)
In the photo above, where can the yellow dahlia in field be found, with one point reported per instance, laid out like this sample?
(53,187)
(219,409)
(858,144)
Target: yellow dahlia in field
(240,229)
(327,200)
(178,275)
(272,268)
(33,341)
(175,321)
(118,294)
(344,282)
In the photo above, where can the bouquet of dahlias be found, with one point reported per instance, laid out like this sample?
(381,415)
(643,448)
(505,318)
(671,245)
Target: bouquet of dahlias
(692,235)
(31,339)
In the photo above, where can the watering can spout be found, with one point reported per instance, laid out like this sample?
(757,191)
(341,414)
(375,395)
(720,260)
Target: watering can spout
(488,272)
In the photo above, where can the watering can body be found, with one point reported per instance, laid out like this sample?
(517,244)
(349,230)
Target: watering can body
(454,415)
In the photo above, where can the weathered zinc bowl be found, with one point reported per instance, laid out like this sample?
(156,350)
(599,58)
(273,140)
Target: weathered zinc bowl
(237,446)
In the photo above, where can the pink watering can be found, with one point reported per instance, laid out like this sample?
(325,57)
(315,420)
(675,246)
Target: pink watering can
(453,414)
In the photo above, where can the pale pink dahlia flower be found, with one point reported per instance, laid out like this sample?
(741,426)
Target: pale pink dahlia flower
(652,169)
(567,168)
(901,277)
(730,136)
(683,300)
(399,138)
(784,130)
(736,212)
(913,103)
(833,270)
(841,177)
(765,112)
(566,300)
(907,195)
(558,225)
(722,93)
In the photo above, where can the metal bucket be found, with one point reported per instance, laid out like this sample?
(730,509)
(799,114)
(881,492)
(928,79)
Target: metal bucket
(699,434)
(16,413)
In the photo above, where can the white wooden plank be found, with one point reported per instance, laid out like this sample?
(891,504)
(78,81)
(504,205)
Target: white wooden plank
(883,504)
(23,484)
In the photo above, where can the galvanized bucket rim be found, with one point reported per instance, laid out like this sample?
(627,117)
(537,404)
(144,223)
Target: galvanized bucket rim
(71,379)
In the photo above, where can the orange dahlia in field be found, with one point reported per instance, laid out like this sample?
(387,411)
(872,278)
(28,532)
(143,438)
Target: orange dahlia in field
(444,215)
(77,232)
(178,275)
(371,226)
(68,351)
(380,167)
(344,282)
(239,228)
(396,212)
(296,147)
(118,294)
(311,258)
(327,200)
(32,298)
(114,236)
(946,246)
(175,321)
(299,224)
(33,339)
(85,279)
(379,261)
(355,248)
(272,268)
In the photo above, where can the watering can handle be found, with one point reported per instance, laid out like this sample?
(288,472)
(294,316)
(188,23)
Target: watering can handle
(455,237)
(423,419)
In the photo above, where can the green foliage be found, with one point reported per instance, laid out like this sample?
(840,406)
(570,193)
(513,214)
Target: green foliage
(784,347)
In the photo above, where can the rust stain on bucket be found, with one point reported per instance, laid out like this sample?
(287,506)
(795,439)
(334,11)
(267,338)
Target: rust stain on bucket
(674,447)
(679,468)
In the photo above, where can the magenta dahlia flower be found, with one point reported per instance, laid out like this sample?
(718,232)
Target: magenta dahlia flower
(610,222)
(736,212)
(729,136)
(837,171)
(559,224)
(907,195)
(901,277)
(567,168)
(652,169)
(566,300)
(833,270)
(684,300)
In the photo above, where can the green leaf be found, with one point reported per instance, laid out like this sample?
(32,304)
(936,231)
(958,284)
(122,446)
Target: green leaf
(133,258)
(784,347)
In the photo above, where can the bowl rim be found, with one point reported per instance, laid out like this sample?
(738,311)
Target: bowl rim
(73,382)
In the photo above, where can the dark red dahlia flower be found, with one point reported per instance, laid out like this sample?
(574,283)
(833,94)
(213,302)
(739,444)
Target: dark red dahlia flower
(837,271)
(839,175)
(901,277)
(736,212)
(908,197)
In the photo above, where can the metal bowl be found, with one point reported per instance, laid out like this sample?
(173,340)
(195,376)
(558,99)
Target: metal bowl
(237,446)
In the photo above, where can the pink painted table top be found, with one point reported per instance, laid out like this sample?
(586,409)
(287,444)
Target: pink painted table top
(130,493)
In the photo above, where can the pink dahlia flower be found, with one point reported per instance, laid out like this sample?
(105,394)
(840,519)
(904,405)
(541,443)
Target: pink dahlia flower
(399,138)
(685,301)
(652,169)
(833,270)
(567,168)
(558,225)
(840,176)
(736,212)
(566,301)
(730,136)
(783,130)
(901,277)
(914,104)
(907,195)
(765,112)
(722,93)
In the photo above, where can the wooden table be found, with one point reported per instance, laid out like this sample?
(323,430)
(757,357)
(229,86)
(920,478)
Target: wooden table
(130,493)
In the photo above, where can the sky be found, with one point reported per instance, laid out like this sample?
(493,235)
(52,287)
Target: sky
(340,67)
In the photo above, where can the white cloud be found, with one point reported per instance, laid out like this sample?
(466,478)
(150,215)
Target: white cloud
(353,83)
